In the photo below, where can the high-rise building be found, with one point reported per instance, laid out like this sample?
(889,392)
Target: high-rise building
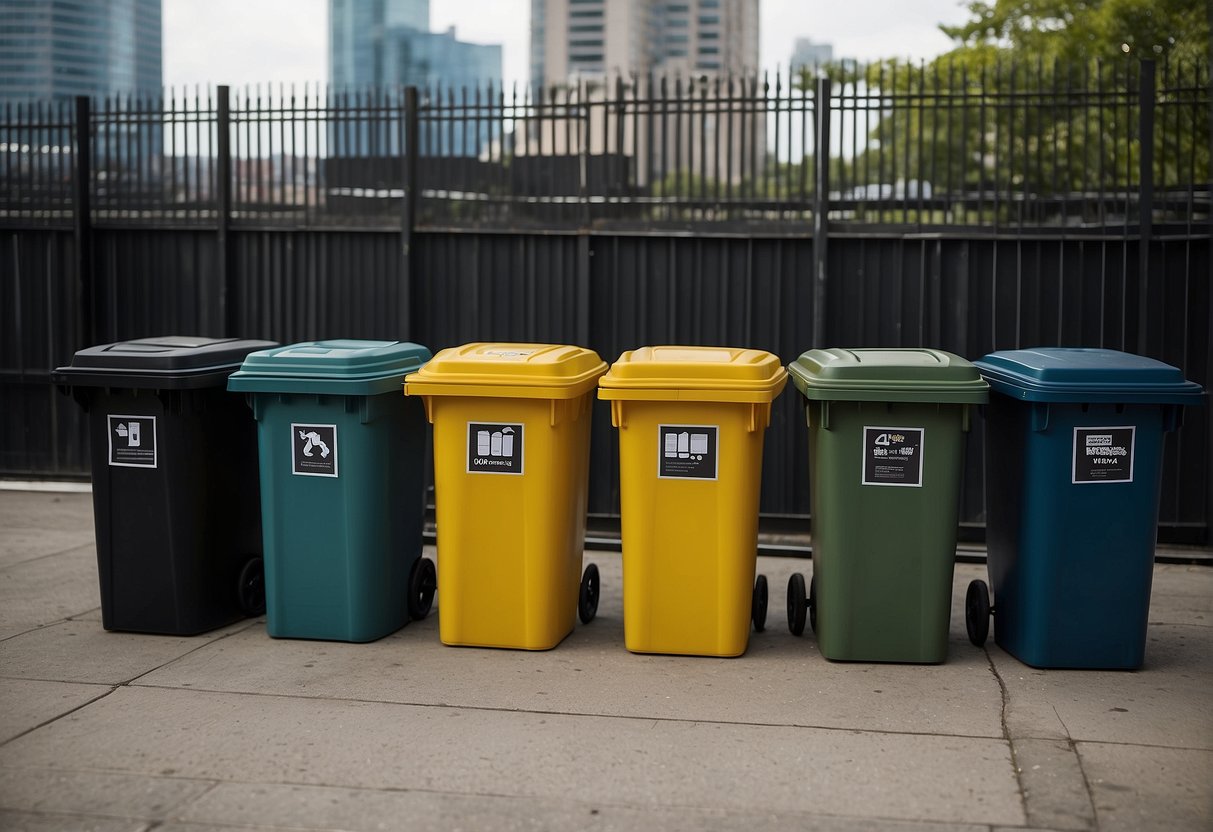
(578,38)
(387,43)
(361,34)
(807,53)
(63,48)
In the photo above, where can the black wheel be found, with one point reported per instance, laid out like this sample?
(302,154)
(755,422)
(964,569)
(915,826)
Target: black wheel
(797,602)
(813,604)
(250,587)
(423,581)
(977,612)
(758,606)
(587,599)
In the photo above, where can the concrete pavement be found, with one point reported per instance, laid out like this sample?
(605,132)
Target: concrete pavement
(233,730)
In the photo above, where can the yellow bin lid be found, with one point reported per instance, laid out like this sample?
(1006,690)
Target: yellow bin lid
(704,374)
(519,371)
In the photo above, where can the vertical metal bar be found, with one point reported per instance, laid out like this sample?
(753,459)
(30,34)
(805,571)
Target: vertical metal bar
(223,194)
(82,154)
(1145,199)
(821,207)
(409,207)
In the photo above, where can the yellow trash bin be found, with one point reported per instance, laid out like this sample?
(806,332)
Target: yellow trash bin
(511,476)
(691,422)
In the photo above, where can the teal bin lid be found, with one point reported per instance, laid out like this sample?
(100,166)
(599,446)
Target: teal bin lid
(342,367)
(1081,374)
(888,375)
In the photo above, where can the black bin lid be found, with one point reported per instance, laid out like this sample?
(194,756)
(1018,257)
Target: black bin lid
(171,362)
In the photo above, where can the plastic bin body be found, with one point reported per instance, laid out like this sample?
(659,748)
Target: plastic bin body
(511,484)
(340,538)
(1071,562)
(884,542)
(175,504)
(690,536)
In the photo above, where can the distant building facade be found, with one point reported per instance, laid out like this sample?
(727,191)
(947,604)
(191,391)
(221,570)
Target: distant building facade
(54,49)
(807,53)
(580,44)
(386,44)
(572,39)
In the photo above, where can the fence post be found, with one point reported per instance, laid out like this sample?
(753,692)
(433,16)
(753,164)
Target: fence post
(821,205)
(223,208)
(82,173)
(408,219)
(1145,200)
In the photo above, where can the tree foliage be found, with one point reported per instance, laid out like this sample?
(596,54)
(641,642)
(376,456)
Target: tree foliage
(1039,102)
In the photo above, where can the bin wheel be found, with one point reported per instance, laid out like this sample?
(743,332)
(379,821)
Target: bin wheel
(587,598)
(423,581)
(797,603)
(758,606)
(813,603)
(977,612)
(250,587)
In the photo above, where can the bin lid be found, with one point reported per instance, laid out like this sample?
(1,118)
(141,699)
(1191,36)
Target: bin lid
(508,370)
(668,373)
(168,362)
(1081,374)
(338,367)
(892,375)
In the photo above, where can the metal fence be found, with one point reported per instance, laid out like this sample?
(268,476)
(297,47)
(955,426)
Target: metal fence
(970,209)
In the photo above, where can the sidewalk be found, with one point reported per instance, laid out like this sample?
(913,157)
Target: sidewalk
(111,731)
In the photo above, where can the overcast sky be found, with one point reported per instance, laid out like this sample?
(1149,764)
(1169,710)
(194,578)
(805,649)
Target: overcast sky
(242,42)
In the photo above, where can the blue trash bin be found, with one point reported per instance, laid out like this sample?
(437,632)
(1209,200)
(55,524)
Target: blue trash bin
(1073,448)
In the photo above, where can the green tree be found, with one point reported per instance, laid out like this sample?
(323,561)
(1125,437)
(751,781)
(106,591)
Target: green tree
(1038,103)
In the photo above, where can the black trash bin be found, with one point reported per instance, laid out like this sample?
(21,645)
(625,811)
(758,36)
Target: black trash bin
(175,482)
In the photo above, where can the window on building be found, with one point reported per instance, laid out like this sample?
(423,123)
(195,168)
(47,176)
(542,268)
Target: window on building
(583,43)
(709,35)
(594,28)
(709,50)
(707,65)
(709,19)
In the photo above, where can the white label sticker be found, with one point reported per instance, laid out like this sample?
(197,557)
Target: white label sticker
(132,441)
(893,456)
(1103,454)
(313,450)
(494,448)
(687,452)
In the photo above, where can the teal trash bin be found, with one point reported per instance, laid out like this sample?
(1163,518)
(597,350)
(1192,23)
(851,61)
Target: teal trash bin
(342,455)
(1074,452)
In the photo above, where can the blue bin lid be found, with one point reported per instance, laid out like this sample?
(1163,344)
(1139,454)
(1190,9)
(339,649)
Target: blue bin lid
(1082,374)
(338,367)
(168,362)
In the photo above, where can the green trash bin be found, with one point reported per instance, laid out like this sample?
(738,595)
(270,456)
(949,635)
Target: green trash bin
(886,430)
(342,455)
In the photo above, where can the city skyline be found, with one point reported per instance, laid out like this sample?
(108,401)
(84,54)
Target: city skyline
(201,47)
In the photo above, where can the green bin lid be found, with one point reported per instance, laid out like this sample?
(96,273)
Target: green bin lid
(892,375)
(1081,374)
(339,367)
(171,362)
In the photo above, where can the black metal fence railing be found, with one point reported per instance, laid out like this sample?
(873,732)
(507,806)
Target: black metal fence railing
(1014,146)
(970,209)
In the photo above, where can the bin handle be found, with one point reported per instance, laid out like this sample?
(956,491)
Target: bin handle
(760,417)
(1040,416)
(617,419)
